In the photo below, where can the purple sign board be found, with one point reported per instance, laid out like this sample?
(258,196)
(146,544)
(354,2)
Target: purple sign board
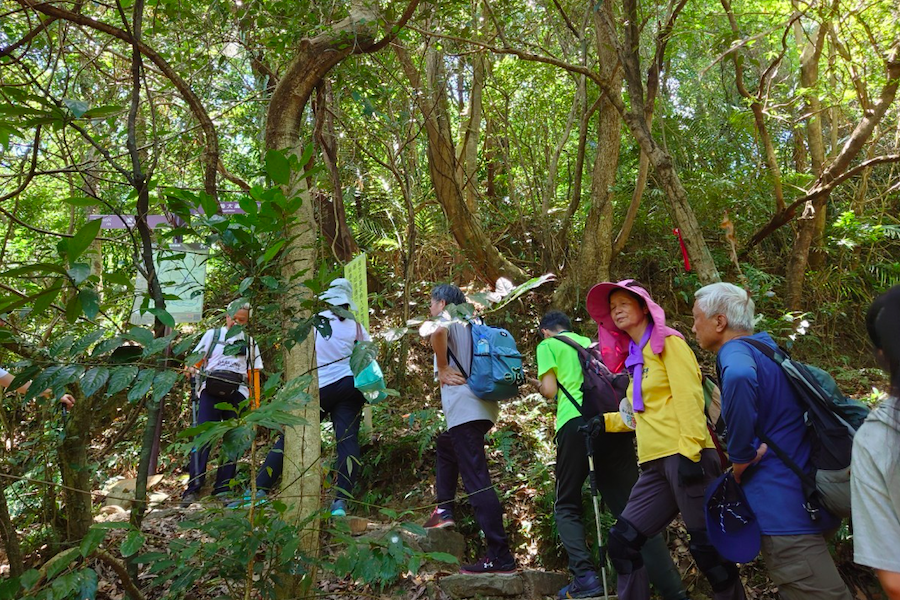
(154,221)
(127,221)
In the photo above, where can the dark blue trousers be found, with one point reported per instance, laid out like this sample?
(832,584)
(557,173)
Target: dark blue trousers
(460,453)
(271,468)
(199,458)
(343,403)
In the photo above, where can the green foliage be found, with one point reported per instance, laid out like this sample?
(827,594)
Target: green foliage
(380,560)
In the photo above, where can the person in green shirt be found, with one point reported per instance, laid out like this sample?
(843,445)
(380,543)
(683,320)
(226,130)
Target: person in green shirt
(617,471)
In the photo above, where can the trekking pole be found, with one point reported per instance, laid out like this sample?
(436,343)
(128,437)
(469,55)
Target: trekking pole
(195,415)
(593,477)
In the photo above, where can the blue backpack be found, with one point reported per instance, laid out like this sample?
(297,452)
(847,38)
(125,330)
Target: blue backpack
(496,371)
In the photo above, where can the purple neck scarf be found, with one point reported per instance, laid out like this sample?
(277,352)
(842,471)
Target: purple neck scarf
(635,364)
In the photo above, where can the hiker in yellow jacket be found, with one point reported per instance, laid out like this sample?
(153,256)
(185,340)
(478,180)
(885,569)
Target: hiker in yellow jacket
(675,450)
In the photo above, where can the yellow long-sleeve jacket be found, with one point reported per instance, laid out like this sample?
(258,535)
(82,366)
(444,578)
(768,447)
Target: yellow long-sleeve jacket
(673,421)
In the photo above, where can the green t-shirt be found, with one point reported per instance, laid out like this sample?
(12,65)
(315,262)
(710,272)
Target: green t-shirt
(562,359)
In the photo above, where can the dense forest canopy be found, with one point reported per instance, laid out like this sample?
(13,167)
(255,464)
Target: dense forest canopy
(676,142)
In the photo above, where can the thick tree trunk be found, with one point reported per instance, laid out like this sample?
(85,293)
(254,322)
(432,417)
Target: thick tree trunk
(481,251)
(595,254)
(636,121)
(811,225)
(302,476)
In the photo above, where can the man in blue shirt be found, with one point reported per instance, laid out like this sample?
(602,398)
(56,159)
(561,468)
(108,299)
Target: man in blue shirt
(757,397)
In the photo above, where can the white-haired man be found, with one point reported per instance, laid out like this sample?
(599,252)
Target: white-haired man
(229,368)
(758,401)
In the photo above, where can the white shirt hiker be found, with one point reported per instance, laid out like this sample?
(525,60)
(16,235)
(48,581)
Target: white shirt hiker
(219,361)
(333,352)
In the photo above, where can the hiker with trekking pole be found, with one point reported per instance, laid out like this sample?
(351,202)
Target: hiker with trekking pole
(665,407)
(571,372)
(228,373)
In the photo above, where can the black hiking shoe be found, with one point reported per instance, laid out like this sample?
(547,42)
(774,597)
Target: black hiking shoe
(490,565)
(188,499)
(584,586)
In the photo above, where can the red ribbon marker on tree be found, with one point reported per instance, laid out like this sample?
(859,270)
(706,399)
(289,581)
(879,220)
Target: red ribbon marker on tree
(684,254)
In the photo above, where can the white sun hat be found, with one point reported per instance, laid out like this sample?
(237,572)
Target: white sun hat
(339,293)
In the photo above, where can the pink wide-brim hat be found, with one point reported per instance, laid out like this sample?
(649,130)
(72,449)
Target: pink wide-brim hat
(613,341)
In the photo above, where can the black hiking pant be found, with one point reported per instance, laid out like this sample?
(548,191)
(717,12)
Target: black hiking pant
(615,462)
(460,454)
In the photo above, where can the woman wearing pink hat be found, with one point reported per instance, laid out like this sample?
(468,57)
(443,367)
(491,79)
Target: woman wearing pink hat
(677,456)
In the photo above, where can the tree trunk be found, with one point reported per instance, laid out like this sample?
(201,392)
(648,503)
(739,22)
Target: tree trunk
(636,121)
(332,215)
(302,476)
(481,251)
(471,130)
(9,536)
(551,246)
(595,255)
(811,225)
(756,106)
(75,470)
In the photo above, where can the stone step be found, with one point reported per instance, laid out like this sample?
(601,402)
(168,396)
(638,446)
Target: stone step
(524,585)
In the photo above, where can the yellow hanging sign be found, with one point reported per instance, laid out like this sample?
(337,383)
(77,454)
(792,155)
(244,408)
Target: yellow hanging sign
(355,273)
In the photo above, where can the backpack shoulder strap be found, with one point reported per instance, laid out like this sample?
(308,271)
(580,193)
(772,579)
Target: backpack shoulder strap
(581,351)
(453,356)
(807,482)
(778,355)
(571,398)
(571,343)
(214,339)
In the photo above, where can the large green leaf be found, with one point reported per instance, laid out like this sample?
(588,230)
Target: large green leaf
(90,302)
(141,335)
(88,584)
(163,315)
(85,342)
(278,167)
(41,382)
(163,382)
(83,238)
(93,380)
(271,252)
(91,541)
(77,107)
(132,543)
(100,112)
(236,441)
(35,268)
(55,565)
(120,378)
(9,588)
(81,201)
(141,385)
(79,272)
(73,309)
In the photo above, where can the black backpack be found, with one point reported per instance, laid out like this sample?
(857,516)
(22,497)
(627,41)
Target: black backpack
(602,390)
(832,420)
